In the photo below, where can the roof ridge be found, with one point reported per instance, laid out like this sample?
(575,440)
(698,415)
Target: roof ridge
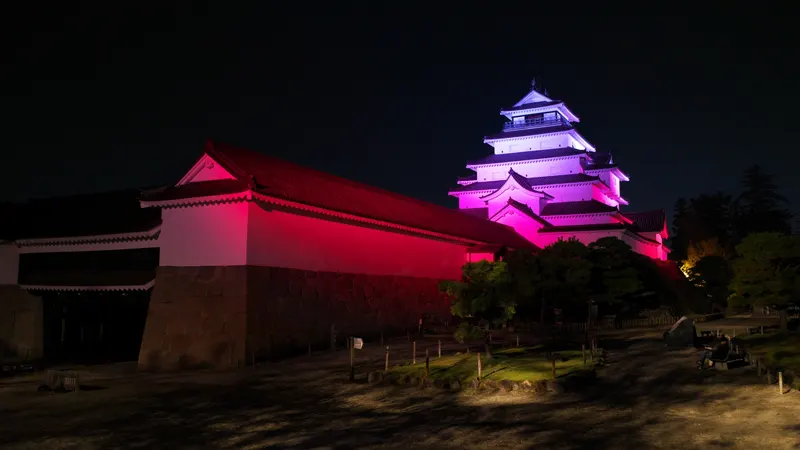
(222,148)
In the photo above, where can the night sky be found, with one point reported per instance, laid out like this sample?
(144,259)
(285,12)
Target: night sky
(104,99)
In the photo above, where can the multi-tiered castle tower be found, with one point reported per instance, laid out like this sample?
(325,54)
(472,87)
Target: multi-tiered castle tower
(549,183)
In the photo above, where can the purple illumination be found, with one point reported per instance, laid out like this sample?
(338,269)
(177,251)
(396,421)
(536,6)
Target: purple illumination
(547,192)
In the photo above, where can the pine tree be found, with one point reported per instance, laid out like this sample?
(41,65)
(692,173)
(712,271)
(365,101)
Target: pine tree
(760,207)
(679,241)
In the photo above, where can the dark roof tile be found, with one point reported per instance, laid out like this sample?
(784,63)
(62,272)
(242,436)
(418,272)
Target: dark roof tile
(526,156)
(282,179)
(648,221)
(194,190)
(528,211)
(483,213)
(528,132)
(473,177)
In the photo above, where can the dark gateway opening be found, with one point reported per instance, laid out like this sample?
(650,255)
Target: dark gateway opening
(94,303)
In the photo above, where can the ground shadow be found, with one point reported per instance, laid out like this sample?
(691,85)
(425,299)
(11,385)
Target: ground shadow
(316,407)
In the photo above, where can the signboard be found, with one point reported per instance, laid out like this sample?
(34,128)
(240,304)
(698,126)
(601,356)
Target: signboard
(358,343)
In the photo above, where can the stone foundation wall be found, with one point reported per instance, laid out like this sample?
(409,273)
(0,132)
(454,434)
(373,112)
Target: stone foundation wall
(21,332)
(196,318)
(229,316)
(289,309)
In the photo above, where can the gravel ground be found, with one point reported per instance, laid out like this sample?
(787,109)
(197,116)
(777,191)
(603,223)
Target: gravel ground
(646,398)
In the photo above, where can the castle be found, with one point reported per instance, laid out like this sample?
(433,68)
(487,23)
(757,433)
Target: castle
(548,182)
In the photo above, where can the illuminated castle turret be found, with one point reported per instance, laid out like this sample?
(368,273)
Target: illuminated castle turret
(548,183)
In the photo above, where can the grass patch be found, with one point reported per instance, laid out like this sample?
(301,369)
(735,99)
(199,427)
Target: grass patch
(779,349)
(515,364)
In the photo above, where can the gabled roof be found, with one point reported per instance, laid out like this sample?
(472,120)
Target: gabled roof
(582,207)
(533,96)
(648,221)
(514,181)
(533,182)
(275,178)
(195,190)
(525,209)
(526,156)
(532,105)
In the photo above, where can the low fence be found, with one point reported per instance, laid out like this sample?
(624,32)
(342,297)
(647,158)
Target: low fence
(612,323)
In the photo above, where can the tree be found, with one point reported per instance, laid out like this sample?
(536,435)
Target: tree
(679,241)
(485,293)
(565,276)
(767,271)
(700,250)
(710,218)
(712,274)
(760,207)
(525,272)
(614,275)
(703,218)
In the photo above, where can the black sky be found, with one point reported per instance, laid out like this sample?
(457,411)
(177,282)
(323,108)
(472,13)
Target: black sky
(98,99)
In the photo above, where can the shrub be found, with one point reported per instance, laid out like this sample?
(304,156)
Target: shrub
(468,332)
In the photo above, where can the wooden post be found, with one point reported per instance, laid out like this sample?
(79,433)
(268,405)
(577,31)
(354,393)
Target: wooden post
(352,359)
(762,329)
(780,383)
(554,367)
(440,348)
(583,350)
(427,363)
(769,377)
(517,340)
(480,369)
(381,338)
(414,352)
(758,366)
(386,367)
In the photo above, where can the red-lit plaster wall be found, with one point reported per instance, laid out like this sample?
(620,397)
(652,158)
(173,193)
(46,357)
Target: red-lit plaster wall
(214,235)
(279,239)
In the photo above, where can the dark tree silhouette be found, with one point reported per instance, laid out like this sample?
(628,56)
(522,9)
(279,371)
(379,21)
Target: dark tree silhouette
(760,207)
(679,241)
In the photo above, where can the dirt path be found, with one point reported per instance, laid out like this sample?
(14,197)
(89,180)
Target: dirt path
(647,398)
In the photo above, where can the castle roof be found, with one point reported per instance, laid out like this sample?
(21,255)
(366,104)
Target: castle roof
(528,132)
(652,221)
(532,105)
(533,182)
(526,156)
(275,178)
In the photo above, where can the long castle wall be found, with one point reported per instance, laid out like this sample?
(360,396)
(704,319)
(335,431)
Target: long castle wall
(228,316)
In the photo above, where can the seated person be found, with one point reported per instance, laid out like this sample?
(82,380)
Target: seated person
(718,351)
